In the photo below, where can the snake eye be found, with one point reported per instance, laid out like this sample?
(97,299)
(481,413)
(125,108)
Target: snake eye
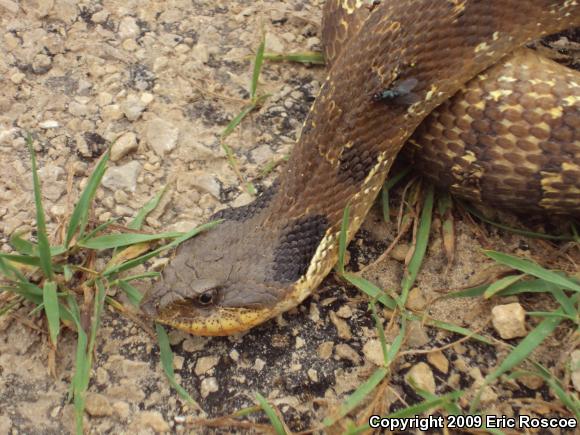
(207,298)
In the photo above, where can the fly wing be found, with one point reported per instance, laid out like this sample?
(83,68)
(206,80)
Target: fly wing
(405,90)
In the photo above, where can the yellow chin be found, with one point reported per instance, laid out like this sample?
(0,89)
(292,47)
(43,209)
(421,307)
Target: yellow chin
(222,321)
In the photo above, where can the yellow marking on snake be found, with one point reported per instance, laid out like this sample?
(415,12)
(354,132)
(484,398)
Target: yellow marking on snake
(431,92)
(350,9)
(507,79)
(570,100)
(556,112)
(484,46)
(500,93)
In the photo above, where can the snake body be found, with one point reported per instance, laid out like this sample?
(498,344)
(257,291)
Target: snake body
(267,257)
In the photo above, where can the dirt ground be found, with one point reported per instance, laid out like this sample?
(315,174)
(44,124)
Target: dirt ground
(164,78)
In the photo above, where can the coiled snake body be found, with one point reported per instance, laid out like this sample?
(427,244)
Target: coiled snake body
(393,63)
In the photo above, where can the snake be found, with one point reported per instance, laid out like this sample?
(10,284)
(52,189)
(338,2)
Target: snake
(482,116)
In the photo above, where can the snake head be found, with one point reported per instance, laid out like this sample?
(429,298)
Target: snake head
(214,286)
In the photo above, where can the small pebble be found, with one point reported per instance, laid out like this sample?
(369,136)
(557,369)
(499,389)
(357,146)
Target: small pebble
(373,352)
(421,376)
(437,359)
(509,320)
(208,386)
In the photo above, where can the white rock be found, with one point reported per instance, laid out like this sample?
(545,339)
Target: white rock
(509,320)
(243,199)
(104,98)
(9,5)
(273,43)
(147,98)
(262,154)
(123,146)
(77,109)
(53,181)
(575,368)
(205,183)
(145,421)
(208,386)
(49,123)
(100,17)
(112,112)
(183,226)
(416,335)
(161,136)
(41,63)
(17,77)
(313,43)
(65,10)
(122,177)
(97,405)
(313,375)
(421,376)
(373,352)
(130,45)
(416,300)
(205,364)
(200,53)
(37,8)
(132,107)
(259,364)
(7,135)
(438,360)
(128,28)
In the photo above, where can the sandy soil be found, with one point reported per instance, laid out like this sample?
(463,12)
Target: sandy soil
(166,77)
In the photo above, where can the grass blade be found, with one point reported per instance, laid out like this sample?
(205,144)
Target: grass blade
(457,330)
(31,292)
(380,332)
(528,286)
(501,284)
(109,241)
(397,342)
(271,414)
(132,293)
(533,269)
(100,228)
(118,268)
(51,309)
(78,389)
(233,124)
(386,206)
(22,259)
(80,215)
(420,247)
(570,401)
(166,356)
(149,206)
(43,244)
(23,246)
(550,314)
(371,290)
(258,62)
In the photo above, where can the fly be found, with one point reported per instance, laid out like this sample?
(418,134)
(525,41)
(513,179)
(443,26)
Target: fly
(373,4)
(399,93)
